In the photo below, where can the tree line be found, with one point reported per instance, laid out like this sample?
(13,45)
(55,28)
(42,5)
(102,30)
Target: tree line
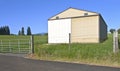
(22,32)
(4,30)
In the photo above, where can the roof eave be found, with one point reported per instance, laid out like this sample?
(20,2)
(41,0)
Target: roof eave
(72,8)
(75,17)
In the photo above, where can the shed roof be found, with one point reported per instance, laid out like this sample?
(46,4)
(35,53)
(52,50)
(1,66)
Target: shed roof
(73,12)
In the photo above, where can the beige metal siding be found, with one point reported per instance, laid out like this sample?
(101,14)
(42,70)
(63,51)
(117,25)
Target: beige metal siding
(85,30)
(72,13)
(102,29)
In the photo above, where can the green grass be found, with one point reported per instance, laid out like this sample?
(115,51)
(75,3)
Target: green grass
(98,53)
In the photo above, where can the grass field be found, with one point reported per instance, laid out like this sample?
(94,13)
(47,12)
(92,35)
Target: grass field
(98,53)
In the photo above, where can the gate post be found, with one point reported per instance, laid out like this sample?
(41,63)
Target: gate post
(69,40)
(32,44)
(115,42)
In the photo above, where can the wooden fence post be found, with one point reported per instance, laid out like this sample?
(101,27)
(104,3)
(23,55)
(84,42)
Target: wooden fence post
(69,40)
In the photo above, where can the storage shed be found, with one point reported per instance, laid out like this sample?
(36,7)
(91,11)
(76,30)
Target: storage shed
(84,27)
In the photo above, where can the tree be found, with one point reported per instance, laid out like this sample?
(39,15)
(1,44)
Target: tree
(8,30)
(4,30)
(112,30)
(118,31)
(19,33)
(29,31)
(22,31)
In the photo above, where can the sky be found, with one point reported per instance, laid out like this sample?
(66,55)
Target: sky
(35,13)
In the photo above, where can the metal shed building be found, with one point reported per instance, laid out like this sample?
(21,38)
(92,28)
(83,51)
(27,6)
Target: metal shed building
(84,27)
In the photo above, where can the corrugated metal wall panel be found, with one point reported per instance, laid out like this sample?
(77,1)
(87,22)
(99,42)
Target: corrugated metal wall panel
(85,30)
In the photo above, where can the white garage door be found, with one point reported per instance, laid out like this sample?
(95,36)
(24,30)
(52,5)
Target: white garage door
(58,30)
